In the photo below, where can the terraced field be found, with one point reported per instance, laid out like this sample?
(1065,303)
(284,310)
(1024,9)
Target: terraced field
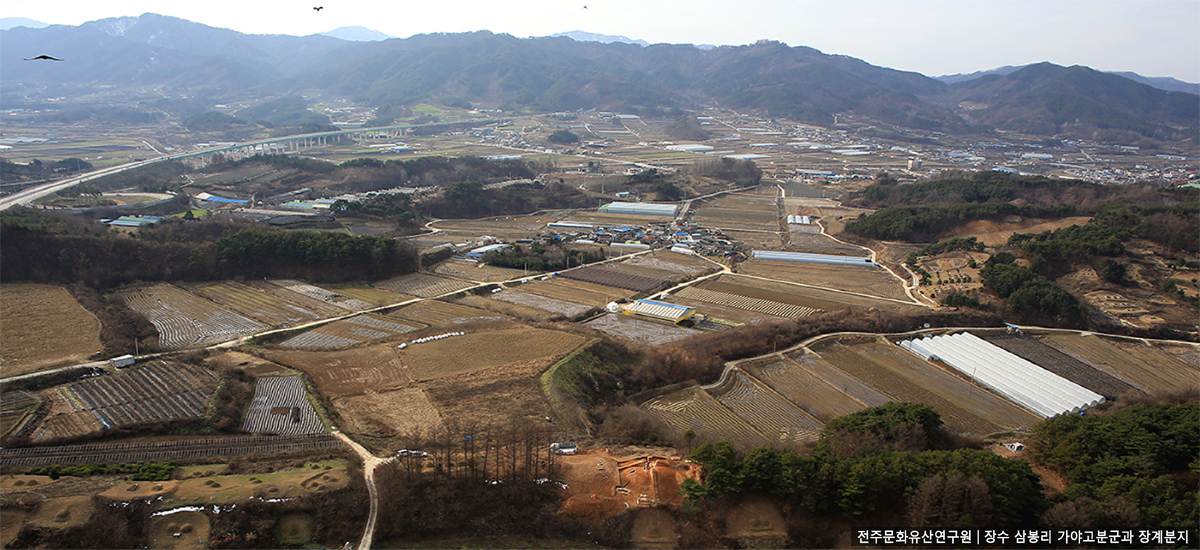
(977,401)
(552,305)
(695,409)
(765,410)
(1061,364)
(184,320)
(611,277)
(901,388)
(810,392)
(1148,377)
(332,298)
(280,406)
(255,303)
(436,313)
(349,332)
(423,285)
(760,305)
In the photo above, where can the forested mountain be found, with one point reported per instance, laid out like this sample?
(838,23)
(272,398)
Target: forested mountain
(559,73)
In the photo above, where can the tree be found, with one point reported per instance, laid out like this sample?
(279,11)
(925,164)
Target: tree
(564,137)
(1113,271)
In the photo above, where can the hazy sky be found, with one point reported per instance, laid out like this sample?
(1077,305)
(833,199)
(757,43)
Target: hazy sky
(933,37)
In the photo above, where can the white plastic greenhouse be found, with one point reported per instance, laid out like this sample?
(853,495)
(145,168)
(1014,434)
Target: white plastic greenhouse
(812,258)
(640,208)
(1018,380)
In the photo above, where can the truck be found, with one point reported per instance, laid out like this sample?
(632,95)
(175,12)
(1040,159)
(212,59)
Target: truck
(122,361)
(564,448)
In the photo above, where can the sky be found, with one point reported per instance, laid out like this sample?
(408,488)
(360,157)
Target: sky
(932,37)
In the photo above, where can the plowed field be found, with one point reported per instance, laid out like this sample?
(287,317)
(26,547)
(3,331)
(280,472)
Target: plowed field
(760,305)
(436,313)
(665,260)
(872,281)
(631,329)
(43,326)
(693,408)
(611,277)
(255,303)
(577,291)
(815,298)
(491,396)
(389,414)
(553,305)
(806,390)
(1061,364)
(1148,377)
(483,350)
(423,285)
(352,331)
(348,372)
(769,413)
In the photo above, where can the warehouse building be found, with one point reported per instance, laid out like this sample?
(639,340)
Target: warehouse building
(640,209)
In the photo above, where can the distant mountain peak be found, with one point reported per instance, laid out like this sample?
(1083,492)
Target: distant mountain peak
(357,33)
(13,22)
(581,36)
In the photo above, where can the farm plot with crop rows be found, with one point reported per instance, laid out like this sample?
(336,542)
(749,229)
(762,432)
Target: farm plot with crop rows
(1105,356)
(579,292)
(280,406)
(349,332)
(873,281)
(545,303)
(885,381)
(1157,356)
(347,372)
(1061,364)
(765,410)
(158,392)
(332,298)
(694,409)
(508,309)
(322,309)
(963,394)
(631,329)
(816,298)
(423,285)
(255,303)
(806,390)
(184,320)
(645,271)
(436,313)
(371,295)
(760,305)
(612,277)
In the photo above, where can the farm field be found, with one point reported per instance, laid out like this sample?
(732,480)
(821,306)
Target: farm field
(53,329)
(608,276)
(158,392)
(1057,362)
(646,271)
(1102,354)
(332,298)
(184,320)
(872,281)
(280,406)
(553,305)
(770,414)
(322,309)
(492,396)
(815,242)
(813,394)
(423,285)
(348,332)
(507,309)
(480,273)
(757,239)
(815,298)
(760,305)
(436,313)
(371,295)
(580,292)
(726,313)
(640,331)
(254,303)
(482,350)
(976,400)
(689,266)
(604,218)
(885,381)
(347,372)
(15,407)
(693,408)
(735,211)
(388,414)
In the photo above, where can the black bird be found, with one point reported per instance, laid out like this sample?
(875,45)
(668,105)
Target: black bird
(42,57)
(318,8)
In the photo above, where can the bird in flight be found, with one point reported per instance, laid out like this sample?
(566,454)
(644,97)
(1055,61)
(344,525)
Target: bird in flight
(40,57)
(318,8)
(585,7)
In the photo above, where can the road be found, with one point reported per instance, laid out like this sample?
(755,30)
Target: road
(370,462)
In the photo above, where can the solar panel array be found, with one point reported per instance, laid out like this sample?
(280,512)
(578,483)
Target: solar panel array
(1018,380)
